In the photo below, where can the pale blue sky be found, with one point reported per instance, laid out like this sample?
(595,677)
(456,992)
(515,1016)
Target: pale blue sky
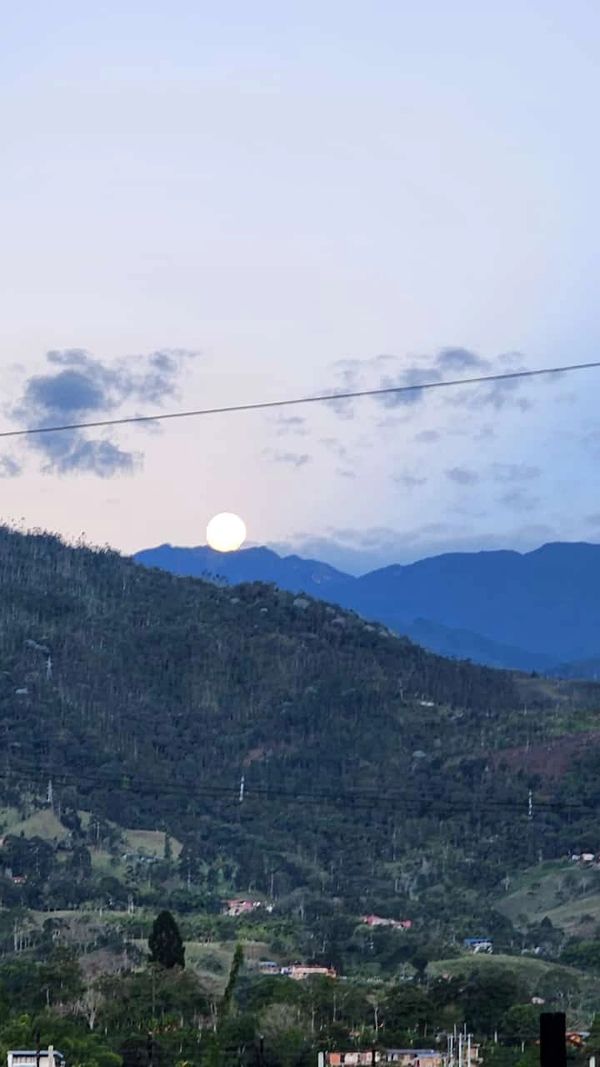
(293,191)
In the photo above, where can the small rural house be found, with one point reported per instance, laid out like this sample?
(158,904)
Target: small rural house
(415,1057)
(378,920)
(244,906)
(300,971)
(350,1059)
(49,1057)
(478,944)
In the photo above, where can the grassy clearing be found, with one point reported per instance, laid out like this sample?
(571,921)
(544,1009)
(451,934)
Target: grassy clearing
(530,968)
(574,913)
(43,823)
(545,890)
(150,842)
(535,973)
(105,864)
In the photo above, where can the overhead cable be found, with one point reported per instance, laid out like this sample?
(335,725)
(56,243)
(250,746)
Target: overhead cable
(323,398)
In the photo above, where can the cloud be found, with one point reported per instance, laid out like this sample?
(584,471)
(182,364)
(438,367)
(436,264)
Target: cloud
(427,436)
(76,387)
(336,447)
(518,500)
(293,459)
(448,362)
(385,372)
(514,472)
(499,394)
(462,475)
(359,551)
(410,378)
(9,467)
(380,372)
(409,481)
(348,373)
(75,454)
(591,440)
(459,360)
(290,424)
(503,394)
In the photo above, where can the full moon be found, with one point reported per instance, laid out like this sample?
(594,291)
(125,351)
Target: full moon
(226,532)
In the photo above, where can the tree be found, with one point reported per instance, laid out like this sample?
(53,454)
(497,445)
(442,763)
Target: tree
(165,943)
(488,994)
(168,851)
(236,963)
(521,1023)
(407,1008)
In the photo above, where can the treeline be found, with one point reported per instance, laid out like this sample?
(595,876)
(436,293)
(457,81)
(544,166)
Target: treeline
(162,1013)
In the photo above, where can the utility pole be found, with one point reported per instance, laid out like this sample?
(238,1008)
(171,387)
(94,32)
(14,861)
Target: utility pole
(530,835)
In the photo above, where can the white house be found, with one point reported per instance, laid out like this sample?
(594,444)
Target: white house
(46,1057)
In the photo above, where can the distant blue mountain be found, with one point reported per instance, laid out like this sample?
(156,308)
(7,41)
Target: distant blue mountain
(248,565)
(530,611)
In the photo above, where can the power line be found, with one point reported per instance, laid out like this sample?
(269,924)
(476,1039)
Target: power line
(324,398)
(263,795)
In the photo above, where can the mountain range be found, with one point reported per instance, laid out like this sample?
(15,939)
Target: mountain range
(280,747)
(533,611)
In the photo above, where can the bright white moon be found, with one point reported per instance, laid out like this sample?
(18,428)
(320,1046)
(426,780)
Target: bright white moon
(226,532)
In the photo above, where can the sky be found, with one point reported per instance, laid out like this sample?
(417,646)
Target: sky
(205,204)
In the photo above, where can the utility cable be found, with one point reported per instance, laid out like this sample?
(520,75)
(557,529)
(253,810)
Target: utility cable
(324,398)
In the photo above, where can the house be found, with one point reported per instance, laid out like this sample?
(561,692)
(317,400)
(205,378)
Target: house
(402,1057)
(415,1057)
(269,967)
(350,1059)
(244,906)
(478,944)
(49,1057)
(471,1054)
(378,920)
(300,971)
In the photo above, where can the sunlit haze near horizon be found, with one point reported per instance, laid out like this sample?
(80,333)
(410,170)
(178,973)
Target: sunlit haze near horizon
(219,204)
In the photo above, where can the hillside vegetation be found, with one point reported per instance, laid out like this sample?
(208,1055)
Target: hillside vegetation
(532,611)
(168,739)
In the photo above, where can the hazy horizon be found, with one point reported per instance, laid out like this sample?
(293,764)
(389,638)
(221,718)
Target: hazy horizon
(209,206)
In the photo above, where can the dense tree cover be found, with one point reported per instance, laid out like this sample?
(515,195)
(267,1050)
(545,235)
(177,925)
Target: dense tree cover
(165,1015)
(161,1013)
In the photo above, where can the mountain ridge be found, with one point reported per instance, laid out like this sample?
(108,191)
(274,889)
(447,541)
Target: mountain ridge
(536,610)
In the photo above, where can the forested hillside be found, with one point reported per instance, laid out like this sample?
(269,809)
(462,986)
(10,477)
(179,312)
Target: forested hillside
(530,611)
(372,770)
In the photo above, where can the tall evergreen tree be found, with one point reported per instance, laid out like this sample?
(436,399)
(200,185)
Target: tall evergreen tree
(236,963)
(165,943)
